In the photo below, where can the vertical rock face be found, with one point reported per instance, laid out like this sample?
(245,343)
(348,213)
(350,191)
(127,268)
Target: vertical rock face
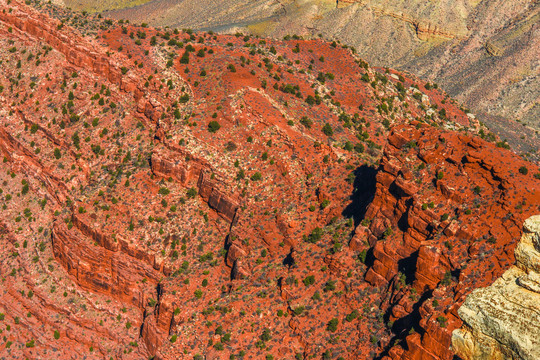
(439,227)
(99,269)
(503,321)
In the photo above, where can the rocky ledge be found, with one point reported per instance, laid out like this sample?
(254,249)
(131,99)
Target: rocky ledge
(502,321)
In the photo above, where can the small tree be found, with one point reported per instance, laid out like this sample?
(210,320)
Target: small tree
(191,193)
(185,58)
(265,336)
(442,321)
(306,122)
(309,280)
(213,126)
(315,235)
(332,325)
(327,130)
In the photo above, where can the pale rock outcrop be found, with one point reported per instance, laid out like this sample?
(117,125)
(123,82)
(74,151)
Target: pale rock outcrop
(503,321)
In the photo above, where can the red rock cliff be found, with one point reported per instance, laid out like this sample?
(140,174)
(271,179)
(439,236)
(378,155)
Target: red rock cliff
(444,219)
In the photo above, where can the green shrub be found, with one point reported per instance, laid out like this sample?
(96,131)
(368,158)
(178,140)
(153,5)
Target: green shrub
(325,203)
(332,325)
(213,126)
(299,310)
(353,315)
(183,99)
(266,336)
(503,144)
(309,280)
(359,148)
(330,286)
(362,256)
(306,122)
(315,235)
(442,321)
(442,112)
(185,58)
(191,193)
(327,130)
(240,175)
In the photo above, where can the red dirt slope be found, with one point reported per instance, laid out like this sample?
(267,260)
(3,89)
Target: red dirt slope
(178,206)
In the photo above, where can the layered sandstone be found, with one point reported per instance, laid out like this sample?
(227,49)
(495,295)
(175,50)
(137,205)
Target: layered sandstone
(502,320)
(430,233)
(135,226)
(82,53)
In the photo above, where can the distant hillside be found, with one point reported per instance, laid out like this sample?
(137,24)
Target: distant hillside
(484,53)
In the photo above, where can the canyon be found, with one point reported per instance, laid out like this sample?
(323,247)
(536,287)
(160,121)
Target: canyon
(483,53)
(179,194)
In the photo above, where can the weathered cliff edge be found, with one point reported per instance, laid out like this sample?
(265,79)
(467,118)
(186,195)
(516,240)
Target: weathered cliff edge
(503,321)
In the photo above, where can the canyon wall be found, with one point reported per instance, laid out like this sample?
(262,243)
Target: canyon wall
(172,164)
(429,230)
(482,52)
(502,321)
(79,52)
(263,241)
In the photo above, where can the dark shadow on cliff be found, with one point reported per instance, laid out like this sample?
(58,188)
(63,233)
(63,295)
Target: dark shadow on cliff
(405,325)
(407,266)
(289,260)
(364,190)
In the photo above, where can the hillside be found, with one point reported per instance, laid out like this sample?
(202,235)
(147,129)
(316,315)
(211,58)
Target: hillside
(483,53)
(177,194)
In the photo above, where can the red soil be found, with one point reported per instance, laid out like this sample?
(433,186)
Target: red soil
(161,238)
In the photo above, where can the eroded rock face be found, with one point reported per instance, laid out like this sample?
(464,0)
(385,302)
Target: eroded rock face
(132,226)
(429,234)
(502,321)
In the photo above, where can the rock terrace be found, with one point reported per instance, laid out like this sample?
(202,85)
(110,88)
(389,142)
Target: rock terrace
(177,195)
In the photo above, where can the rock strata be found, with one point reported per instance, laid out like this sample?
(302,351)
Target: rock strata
(430,238)
(502,321)
(242,198)
(483,52)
